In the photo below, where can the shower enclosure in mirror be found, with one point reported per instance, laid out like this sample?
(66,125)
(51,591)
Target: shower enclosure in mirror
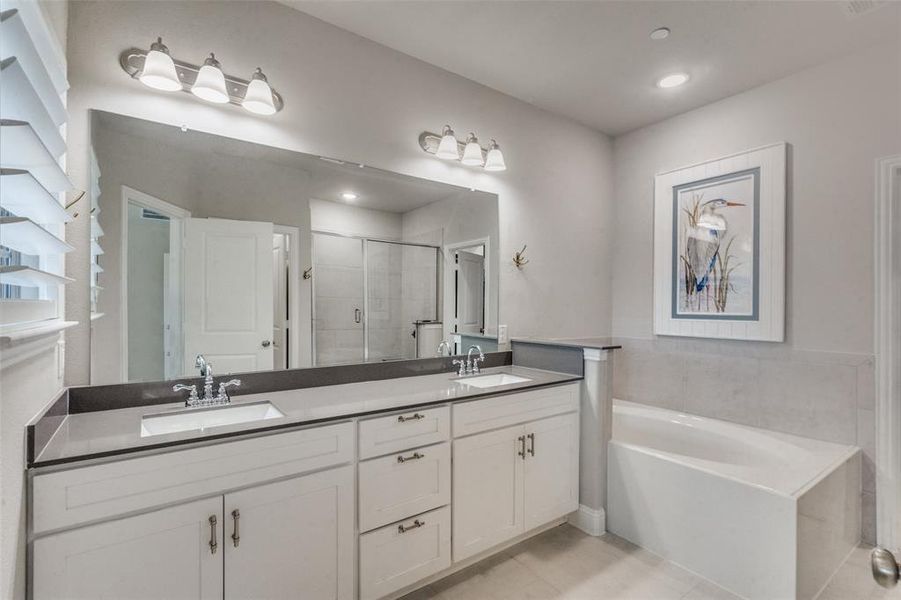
(261,258)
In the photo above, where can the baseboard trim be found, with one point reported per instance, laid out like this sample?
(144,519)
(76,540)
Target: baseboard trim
(591,521)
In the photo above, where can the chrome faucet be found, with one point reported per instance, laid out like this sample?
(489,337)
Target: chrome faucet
(473,363)
(208,399)
(442,348)
(469,365)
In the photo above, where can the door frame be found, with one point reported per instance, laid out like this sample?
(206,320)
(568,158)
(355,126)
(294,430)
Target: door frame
(293,254)
(888,352)
(449,289)
(129,194)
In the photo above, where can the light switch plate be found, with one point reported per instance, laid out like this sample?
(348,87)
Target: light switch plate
(501,334)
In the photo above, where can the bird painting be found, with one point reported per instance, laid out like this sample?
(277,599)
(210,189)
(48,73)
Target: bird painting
(706,257)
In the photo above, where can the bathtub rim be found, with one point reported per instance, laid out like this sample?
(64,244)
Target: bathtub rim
(846,451)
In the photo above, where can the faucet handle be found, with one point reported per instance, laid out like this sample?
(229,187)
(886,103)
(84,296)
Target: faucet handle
(463,364)
(224,385)
(180,387)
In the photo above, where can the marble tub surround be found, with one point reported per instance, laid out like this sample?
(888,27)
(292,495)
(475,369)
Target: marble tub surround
(827,396)
(102,433)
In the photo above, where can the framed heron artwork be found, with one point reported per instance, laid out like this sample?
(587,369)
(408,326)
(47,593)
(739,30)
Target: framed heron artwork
(719,248)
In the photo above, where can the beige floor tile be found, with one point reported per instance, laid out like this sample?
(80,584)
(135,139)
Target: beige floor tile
(709,591)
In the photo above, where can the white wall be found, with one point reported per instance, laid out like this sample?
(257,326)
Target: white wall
(351,98)
(838,119)
(357,221)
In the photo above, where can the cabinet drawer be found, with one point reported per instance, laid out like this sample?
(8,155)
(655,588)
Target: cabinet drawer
(397,486)
(392,558)
(73,496)
(503,411)
(402,431)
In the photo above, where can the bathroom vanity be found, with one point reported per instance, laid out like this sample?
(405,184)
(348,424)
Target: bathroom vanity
(362,490)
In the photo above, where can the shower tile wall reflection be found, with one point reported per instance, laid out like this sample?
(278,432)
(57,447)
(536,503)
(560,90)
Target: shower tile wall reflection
(403,289)
(338,299)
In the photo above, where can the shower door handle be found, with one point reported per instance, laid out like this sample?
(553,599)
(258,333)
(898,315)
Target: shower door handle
(358,315)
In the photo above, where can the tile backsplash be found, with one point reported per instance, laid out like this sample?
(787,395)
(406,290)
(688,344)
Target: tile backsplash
(823,395)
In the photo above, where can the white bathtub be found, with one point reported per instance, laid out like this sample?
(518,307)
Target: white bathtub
(764,514)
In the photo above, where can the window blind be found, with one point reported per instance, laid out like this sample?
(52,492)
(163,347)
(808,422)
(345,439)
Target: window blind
(33,181)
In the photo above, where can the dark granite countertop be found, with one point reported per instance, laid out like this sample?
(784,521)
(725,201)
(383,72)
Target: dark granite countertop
(105,433)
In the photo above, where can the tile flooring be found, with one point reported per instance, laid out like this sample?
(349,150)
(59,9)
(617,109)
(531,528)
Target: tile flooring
(564,563)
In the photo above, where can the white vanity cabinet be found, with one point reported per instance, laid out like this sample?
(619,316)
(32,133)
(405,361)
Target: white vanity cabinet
(363,509)
(160,554)
(514,479)
(291,539)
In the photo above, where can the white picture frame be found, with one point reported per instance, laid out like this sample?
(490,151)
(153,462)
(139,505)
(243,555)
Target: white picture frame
(751,306)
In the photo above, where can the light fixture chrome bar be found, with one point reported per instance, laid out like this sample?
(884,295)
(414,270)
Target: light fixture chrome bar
(132,62)
(429,141)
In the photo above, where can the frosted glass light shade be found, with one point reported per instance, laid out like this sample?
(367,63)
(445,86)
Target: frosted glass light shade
(472,153)
(159,70)
(210,82)
(258,98)
(447,147)
(494,161)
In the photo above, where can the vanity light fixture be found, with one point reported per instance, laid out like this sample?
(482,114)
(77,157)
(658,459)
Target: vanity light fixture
(672,80)
(157,69)
(210,82)
(258,98)
(495,159)
(471,154)
(448,148)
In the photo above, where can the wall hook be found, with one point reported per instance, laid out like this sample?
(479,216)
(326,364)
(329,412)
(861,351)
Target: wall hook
(519,258)
(308,273)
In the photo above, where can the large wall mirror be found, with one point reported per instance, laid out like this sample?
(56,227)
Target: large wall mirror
(260,258)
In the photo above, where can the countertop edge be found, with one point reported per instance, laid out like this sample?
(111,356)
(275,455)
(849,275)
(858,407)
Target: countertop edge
(73,461)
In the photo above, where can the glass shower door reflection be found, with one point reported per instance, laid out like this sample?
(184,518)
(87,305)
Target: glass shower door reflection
(402,288)
(338,300)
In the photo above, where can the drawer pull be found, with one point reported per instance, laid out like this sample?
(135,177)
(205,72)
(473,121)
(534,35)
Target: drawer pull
(414,456)
(416,524)
(413,417)
(213,543)
(531,437)
(236,536)
(522,446)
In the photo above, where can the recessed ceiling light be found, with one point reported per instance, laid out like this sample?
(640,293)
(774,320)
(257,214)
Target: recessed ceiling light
(672,80)
(349,196)
(661,33)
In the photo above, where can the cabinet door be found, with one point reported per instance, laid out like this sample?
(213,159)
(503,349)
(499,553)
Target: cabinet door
(551,479)
(292,539)
(162,554)
(487,490)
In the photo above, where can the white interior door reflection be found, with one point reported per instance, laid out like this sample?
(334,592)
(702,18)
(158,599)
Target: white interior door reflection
(229,294)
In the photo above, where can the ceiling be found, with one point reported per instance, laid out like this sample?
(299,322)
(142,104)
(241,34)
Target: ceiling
(328,179)
(594,61)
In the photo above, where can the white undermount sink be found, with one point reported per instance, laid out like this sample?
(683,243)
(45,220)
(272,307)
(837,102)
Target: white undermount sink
(202,418)
(494,380)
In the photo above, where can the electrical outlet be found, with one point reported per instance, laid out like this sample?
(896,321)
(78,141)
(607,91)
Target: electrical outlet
(501,334)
